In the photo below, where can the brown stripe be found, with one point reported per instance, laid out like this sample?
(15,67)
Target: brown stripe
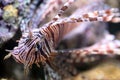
(52,34)
(110,51)
(108,12)
(79,20)
(30,49)
(93,19)
(85,16)
(64,8)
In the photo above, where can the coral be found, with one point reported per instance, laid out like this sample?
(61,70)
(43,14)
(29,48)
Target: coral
(9,11)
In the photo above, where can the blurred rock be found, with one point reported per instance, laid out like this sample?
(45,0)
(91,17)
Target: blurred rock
(106,70)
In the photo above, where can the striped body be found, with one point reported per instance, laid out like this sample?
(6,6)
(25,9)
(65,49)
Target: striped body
(38,48)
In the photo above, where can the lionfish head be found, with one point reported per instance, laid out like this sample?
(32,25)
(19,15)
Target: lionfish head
(30,49)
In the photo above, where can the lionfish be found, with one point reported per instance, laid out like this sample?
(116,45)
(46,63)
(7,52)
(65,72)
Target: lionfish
(39,45)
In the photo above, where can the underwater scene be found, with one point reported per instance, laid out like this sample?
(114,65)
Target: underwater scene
(60,39)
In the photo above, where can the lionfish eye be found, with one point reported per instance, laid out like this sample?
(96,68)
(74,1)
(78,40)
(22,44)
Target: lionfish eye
(38,46)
